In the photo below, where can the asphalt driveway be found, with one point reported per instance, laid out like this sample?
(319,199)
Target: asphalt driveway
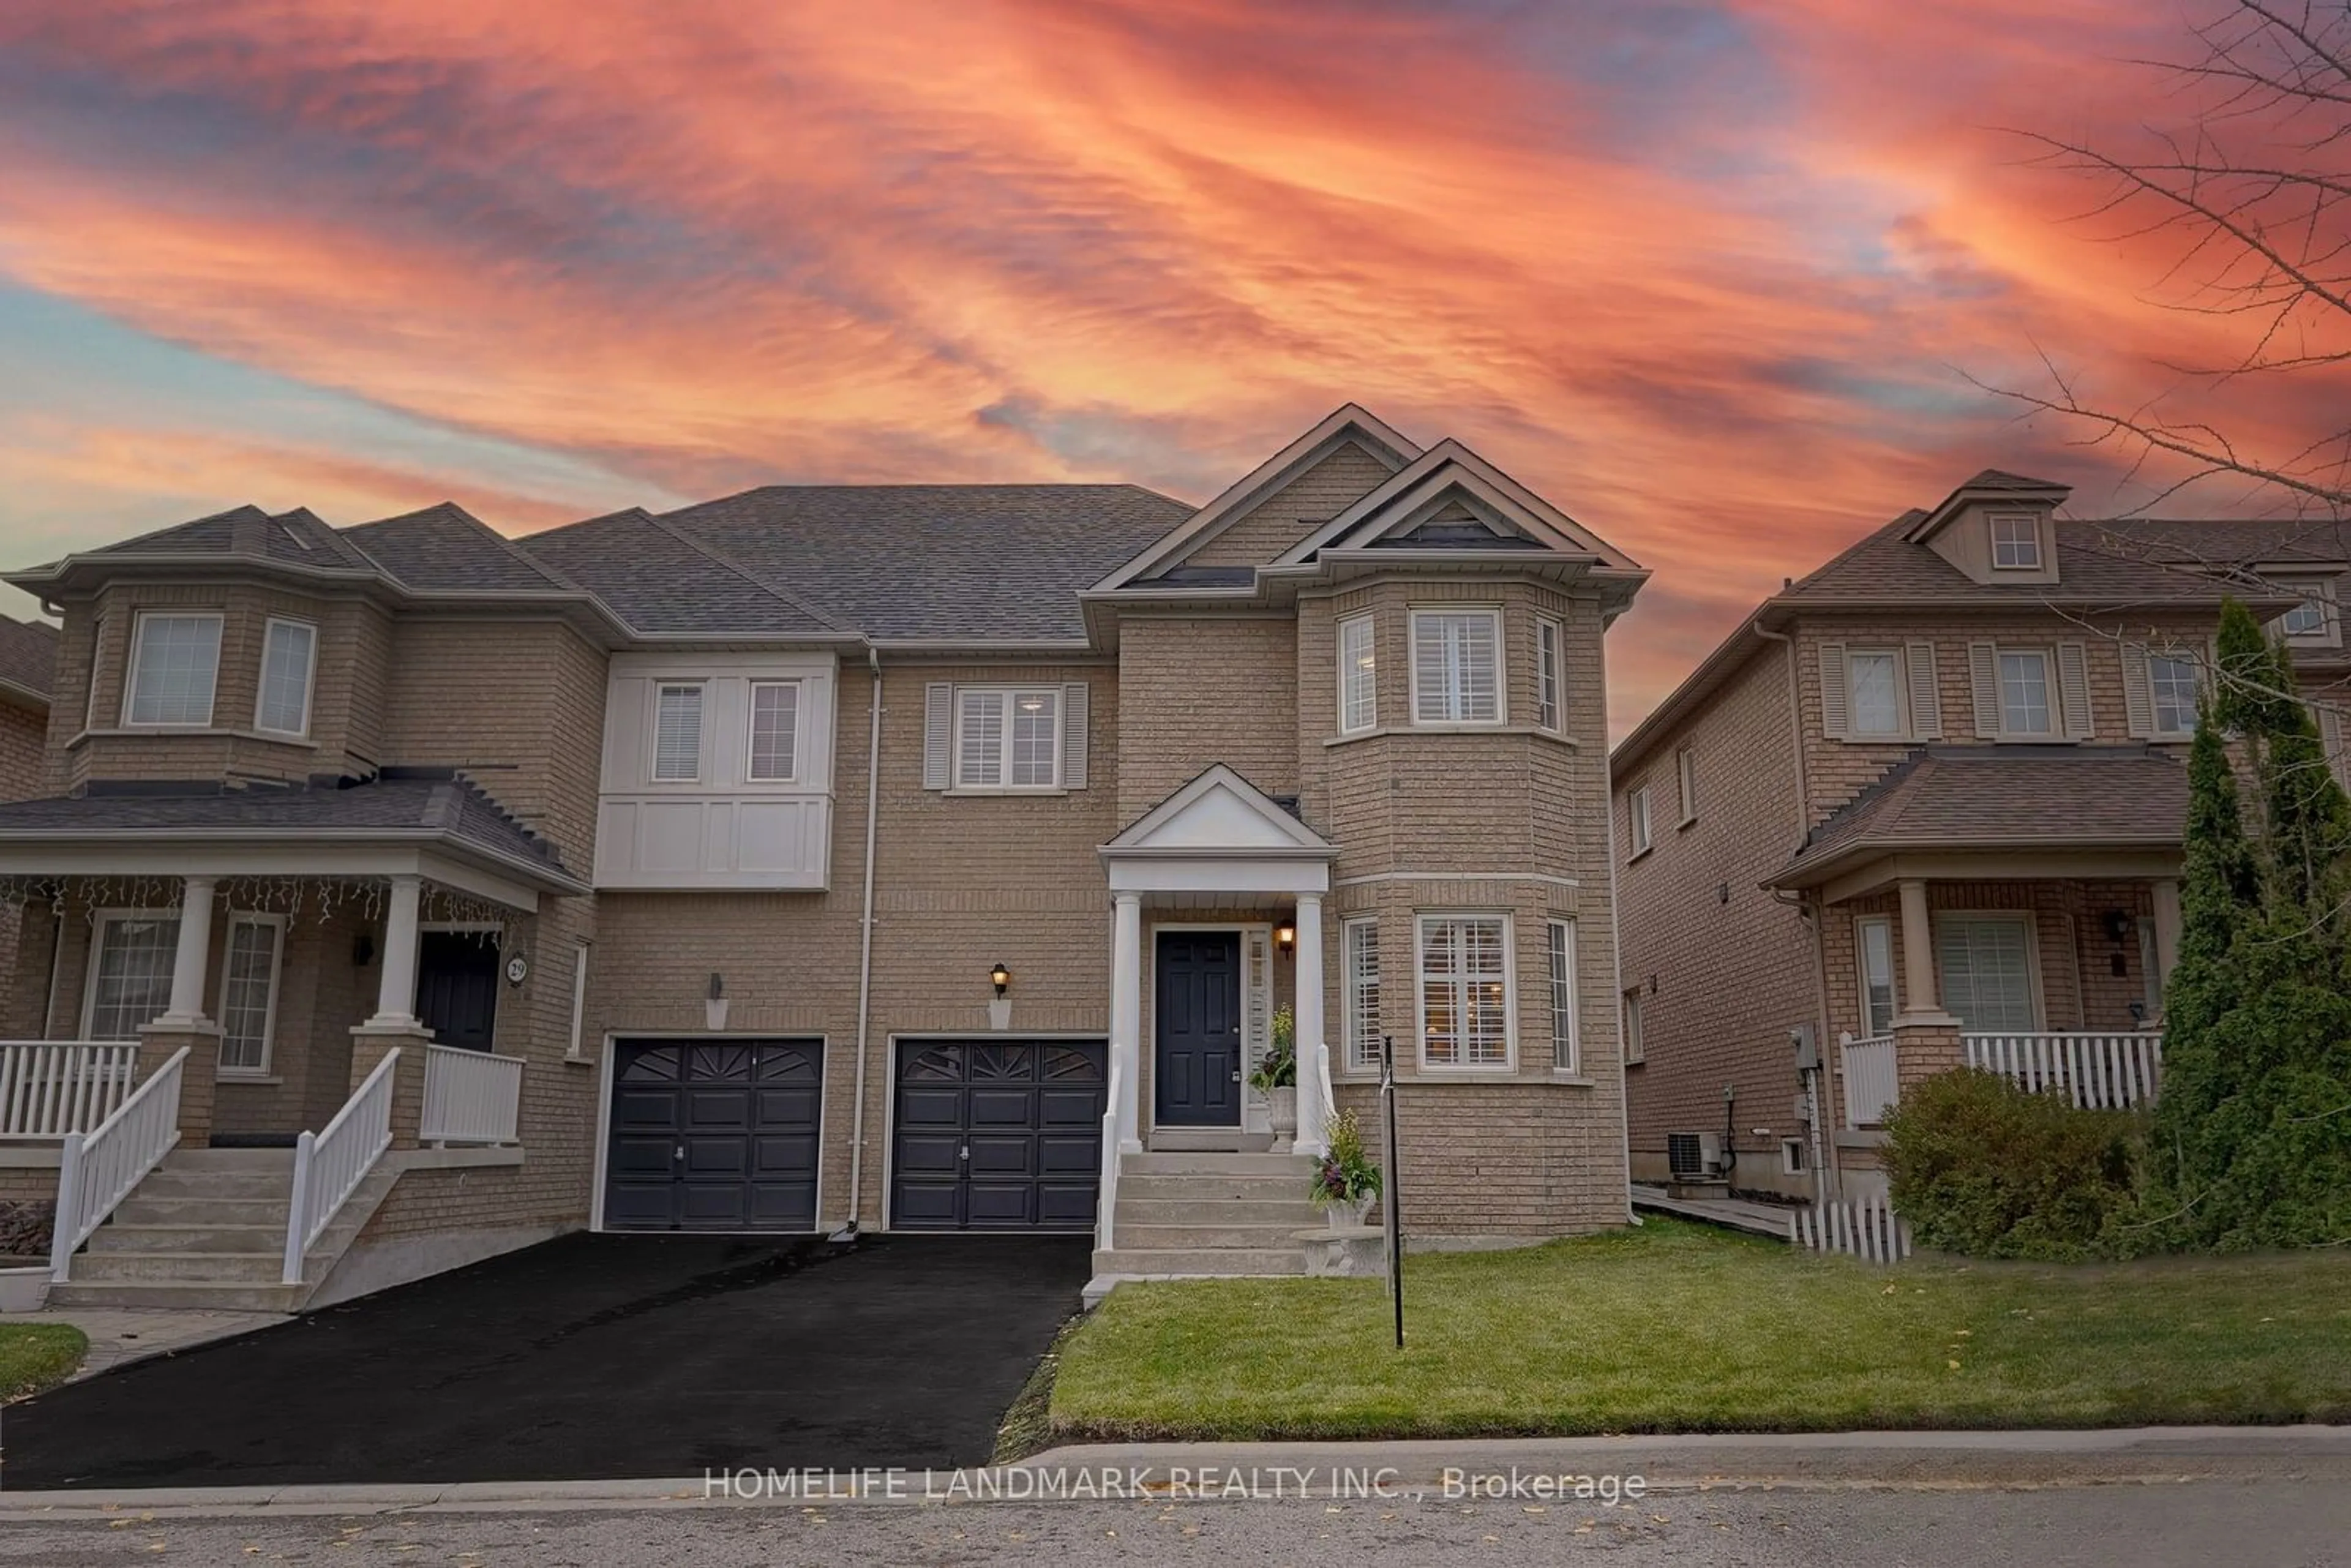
(590,1357)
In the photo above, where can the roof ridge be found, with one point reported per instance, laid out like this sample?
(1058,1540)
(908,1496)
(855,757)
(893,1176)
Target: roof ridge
(774,590)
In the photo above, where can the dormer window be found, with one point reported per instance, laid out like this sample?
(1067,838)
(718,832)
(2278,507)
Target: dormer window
(2016,541)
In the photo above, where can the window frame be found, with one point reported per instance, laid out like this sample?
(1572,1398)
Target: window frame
(1421,920)
(1348,626)
(2032,521)
(1637,822)
(1794,1157)
(1686,784)
(1635,1043)
(1008,696)
(2155,725)
(101,921)
(2052,699)
(1862,925)
(2315,594)
(1551,675)
(1898,677)
(2018,917)
(660,688)
(751,689)
(1562,959)
(276,924)
(1359,1034)
(309,676)
(1492,614)
(139,624)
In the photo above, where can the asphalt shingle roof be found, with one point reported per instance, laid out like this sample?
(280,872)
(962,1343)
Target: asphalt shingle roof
(1958,797)
(294,538)
(28,653)
(657,579)
(447,549)
(979,561)
(419,801)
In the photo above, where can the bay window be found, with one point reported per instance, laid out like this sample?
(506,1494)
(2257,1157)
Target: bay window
(1456,666)
(175,662)
(1465,991)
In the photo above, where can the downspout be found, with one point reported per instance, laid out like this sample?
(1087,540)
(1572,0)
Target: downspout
(1616,977)
(1811,912)
(866,953)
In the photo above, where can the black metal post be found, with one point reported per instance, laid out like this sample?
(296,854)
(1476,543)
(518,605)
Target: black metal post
(1395,1202)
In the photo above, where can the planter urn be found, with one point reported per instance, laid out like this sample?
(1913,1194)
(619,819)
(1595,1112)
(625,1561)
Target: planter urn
(1281,1109)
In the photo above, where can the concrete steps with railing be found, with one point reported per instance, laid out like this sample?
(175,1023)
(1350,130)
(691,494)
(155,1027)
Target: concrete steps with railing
(207,1230)
(1197,1215)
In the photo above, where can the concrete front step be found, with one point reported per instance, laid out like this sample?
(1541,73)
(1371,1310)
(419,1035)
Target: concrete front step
(139,1209)
(1156,1188)
(1245,1238)
(1209,1262)
(120,1236)
(186,1268)
(1294,1212)
(1188,1163)
(231,1160)
(160,1295)
(172,1181)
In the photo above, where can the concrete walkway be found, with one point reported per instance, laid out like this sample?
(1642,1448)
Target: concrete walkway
(1739,1214)
(121,1335)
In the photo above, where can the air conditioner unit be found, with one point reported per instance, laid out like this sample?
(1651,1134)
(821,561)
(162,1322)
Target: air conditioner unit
(1694,1155)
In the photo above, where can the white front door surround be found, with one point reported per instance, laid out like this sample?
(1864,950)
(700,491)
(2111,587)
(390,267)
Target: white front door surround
(1218,839)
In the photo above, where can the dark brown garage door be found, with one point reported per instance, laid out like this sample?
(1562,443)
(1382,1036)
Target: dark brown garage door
(714,1134)
(998,1135)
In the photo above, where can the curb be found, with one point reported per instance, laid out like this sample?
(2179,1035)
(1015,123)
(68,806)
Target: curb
(1935,1460)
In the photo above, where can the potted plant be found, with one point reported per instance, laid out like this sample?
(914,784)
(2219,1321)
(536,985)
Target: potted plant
(1346,1182)
(24,1256)
(1276,1076)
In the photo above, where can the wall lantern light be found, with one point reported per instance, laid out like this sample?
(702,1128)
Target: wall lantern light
(999,976)
(1285,936)
(2119,924)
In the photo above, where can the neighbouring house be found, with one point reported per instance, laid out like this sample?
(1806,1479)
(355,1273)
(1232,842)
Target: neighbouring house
(1924,808)
(898,857)
(28,653)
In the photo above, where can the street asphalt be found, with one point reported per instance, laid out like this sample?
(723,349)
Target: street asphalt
(2240,1524)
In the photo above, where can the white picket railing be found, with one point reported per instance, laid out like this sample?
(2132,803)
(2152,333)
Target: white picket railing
(52,1087)
(2100,1072)
(330,1165)
(470,1096)
(97,1169)
(1872,1082)
(1106,1200)
(1864,1227)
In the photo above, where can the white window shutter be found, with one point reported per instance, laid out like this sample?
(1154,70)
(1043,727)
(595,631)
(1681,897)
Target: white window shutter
(1926,695)
(2139,694)
(938,734)
(1834,708)
(2073,690)
(1074,735)
(1983,675)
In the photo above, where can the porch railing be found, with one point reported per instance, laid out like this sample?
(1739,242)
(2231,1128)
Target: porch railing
(1106,1199)
(1873,1084)
(52,1087)
(330,1165)
(97,1169)
(2099,1071)
(470,1097)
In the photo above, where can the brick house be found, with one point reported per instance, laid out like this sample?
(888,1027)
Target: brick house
(1925,806)
(898,857)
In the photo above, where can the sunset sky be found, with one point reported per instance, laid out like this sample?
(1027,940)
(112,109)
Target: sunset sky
(1713,277)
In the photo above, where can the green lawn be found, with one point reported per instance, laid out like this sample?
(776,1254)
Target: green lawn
(33,1356)
(1681,1327)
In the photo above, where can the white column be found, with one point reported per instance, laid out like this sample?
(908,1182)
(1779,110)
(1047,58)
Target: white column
(1312,1138)
(193,956)
(395,996)
(1920,998)
(1126,1016)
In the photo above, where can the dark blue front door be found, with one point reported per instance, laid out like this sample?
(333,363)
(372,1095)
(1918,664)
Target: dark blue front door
(1196,1057)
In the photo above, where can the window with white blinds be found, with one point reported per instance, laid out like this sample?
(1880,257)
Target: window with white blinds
(1566,1037)
(288,653)
(174,661)
(1358,687)
(130,984)
(1873,685)
(1550,681)
(1361,997)
(775,731)
(1987,963)
(677,734)
(1464,990)
(1456,666)
(1008,739)
(1874,936)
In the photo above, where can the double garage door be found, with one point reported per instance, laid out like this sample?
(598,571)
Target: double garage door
(988,1134)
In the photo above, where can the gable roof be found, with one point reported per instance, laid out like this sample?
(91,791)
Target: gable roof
(1218,812)
(28,659)
(1993,484)
(1450,471)
(1349,423)
(294,538)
